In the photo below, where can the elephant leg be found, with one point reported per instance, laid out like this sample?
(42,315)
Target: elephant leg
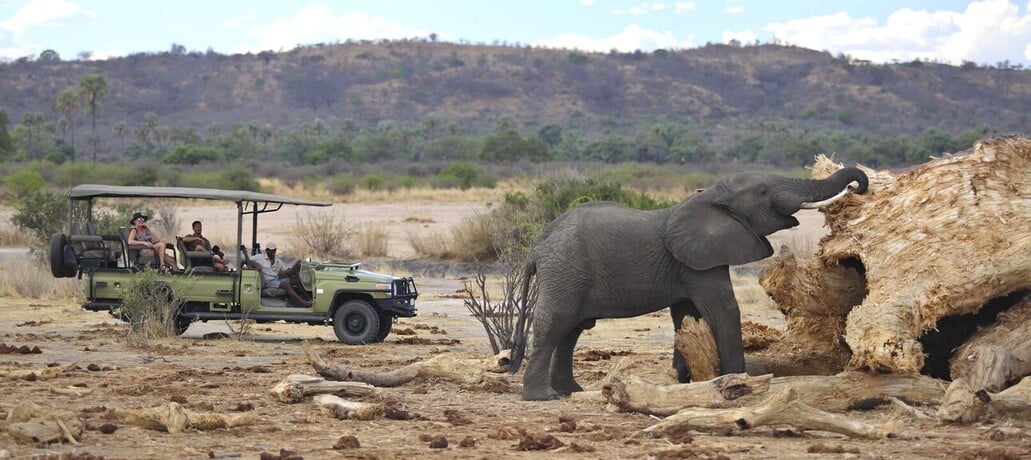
(713,295)
(562,379)
(548,335)
(678,311)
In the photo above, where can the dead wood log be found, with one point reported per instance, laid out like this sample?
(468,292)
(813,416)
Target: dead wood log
(696,343)
(931,242)
(965,404)
(295,387)
(70,391)
(31,423)
(633,394)
(998,354)
(337,407)
(45,373)
(783,408)
(174,418)
(839,392)
(465,371)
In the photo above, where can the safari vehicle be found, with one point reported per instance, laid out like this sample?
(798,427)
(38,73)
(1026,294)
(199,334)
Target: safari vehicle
(360,305)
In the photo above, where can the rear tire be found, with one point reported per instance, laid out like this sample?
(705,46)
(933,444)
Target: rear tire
(62,258)
(356,322)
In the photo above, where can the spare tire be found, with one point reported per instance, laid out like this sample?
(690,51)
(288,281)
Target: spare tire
(62,257)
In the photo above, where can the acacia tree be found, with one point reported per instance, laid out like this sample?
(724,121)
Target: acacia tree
(93,90)
(67,103)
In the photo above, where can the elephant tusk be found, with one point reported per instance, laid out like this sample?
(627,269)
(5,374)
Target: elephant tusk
(820,204)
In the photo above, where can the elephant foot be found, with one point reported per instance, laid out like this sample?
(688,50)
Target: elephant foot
(539,394)
(568,389)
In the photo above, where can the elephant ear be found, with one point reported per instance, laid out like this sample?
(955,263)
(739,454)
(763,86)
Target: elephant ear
(702,236)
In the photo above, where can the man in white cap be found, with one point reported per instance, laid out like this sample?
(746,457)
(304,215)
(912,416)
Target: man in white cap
(273,273)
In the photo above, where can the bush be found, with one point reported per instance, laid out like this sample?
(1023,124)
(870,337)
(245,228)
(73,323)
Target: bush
(322,235)
(42,213)
(466,175)
(151,306)
(24,182)
(372,241)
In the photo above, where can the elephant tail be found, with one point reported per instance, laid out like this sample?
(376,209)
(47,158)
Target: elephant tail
(519,334)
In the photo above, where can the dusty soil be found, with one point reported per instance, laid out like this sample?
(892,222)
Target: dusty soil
(231,376)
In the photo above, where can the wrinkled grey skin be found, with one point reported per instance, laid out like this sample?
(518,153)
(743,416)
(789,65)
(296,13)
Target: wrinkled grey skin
(605,260)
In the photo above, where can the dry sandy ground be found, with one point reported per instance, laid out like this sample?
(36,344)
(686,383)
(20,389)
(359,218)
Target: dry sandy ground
(233,376)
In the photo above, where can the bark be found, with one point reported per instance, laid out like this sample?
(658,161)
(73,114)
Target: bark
(783,408)
(30,423)
(965,404)
(695,342)
(295,387)
(844,391)
(931,242)
(441,366)
(174,418)
(999,354)
(336,407)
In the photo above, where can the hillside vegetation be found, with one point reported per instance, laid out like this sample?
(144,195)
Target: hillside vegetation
(425,102)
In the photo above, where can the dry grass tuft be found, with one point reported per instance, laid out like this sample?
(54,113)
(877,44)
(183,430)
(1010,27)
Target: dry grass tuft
(431,245)
(11,236)
(31,278)
(417,219)
(321,235)
(372,241)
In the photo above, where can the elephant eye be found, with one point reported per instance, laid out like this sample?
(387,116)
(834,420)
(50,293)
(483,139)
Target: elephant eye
(762,191)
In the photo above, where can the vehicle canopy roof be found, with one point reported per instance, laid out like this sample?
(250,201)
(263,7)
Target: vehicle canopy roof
(91,191)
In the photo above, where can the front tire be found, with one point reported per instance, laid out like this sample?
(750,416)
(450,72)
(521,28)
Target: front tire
(386,322)
(356,322)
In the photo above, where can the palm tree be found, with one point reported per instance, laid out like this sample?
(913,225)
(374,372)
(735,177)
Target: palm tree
(67,103)
(93,90)
(121,129)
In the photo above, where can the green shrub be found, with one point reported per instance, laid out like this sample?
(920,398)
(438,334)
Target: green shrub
(465,175)
(24,182)
(342,184)
(151,306)
(42,213)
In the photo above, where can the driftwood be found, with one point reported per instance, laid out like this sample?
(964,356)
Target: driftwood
(70,391)
(465,371)
(932,242)
(31,423)
(839,392)
(340,408)
(45,373)
(696,343)
(964,403)
(295,387)
(999,354)
(174,418)
(783,408)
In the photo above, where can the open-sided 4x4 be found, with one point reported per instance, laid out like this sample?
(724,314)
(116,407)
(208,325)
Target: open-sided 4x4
(360,305)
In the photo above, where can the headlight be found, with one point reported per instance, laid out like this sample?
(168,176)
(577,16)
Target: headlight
(383,287)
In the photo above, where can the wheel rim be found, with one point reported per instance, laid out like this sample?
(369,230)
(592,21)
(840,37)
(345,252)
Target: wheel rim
(355,323)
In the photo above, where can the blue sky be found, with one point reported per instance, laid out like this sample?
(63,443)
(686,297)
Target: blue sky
(985,32)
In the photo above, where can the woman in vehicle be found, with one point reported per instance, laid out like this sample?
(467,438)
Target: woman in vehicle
(140,234)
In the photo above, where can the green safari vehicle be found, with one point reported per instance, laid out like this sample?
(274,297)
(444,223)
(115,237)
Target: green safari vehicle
(360,305)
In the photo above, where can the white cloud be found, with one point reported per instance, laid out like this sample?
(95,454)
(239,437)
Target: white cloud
(38,13)
(680,7)
(316,23)
(632,38)
(987,31)
(734,10)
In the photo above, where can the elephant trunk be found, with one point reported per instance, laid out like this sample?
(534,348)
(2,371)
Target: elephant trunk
(823,192)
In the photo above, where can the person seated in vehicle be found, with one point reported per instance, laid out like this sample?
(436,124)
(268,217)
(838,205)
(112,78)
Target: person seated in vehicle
(197,242)
(275,273)
(141,235)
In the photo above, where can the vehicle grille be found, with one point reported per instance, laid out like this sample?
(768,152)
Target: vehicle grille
(404,287)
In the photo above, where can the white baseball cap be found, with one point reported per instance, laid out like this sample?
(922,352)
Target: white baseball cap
(270,247)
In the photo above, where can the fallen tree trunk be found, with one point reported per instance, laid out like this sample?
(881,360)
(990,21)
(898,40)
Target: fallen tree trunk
(31,423)
(783,408)
(174,418)
(965,404)
(337,407)
(844,391)
(929,243)
(295,387)
(997,355)
(696,343)
(443,366)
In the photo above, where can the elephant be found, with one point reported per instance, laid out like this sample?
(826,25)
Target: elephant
(605,260)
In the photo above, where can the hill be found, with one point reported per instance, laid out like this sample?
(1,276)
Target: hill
(470,89)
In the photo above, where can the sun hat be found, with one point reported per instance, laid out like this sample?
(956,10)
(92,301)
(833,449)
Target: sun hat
(138,215)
